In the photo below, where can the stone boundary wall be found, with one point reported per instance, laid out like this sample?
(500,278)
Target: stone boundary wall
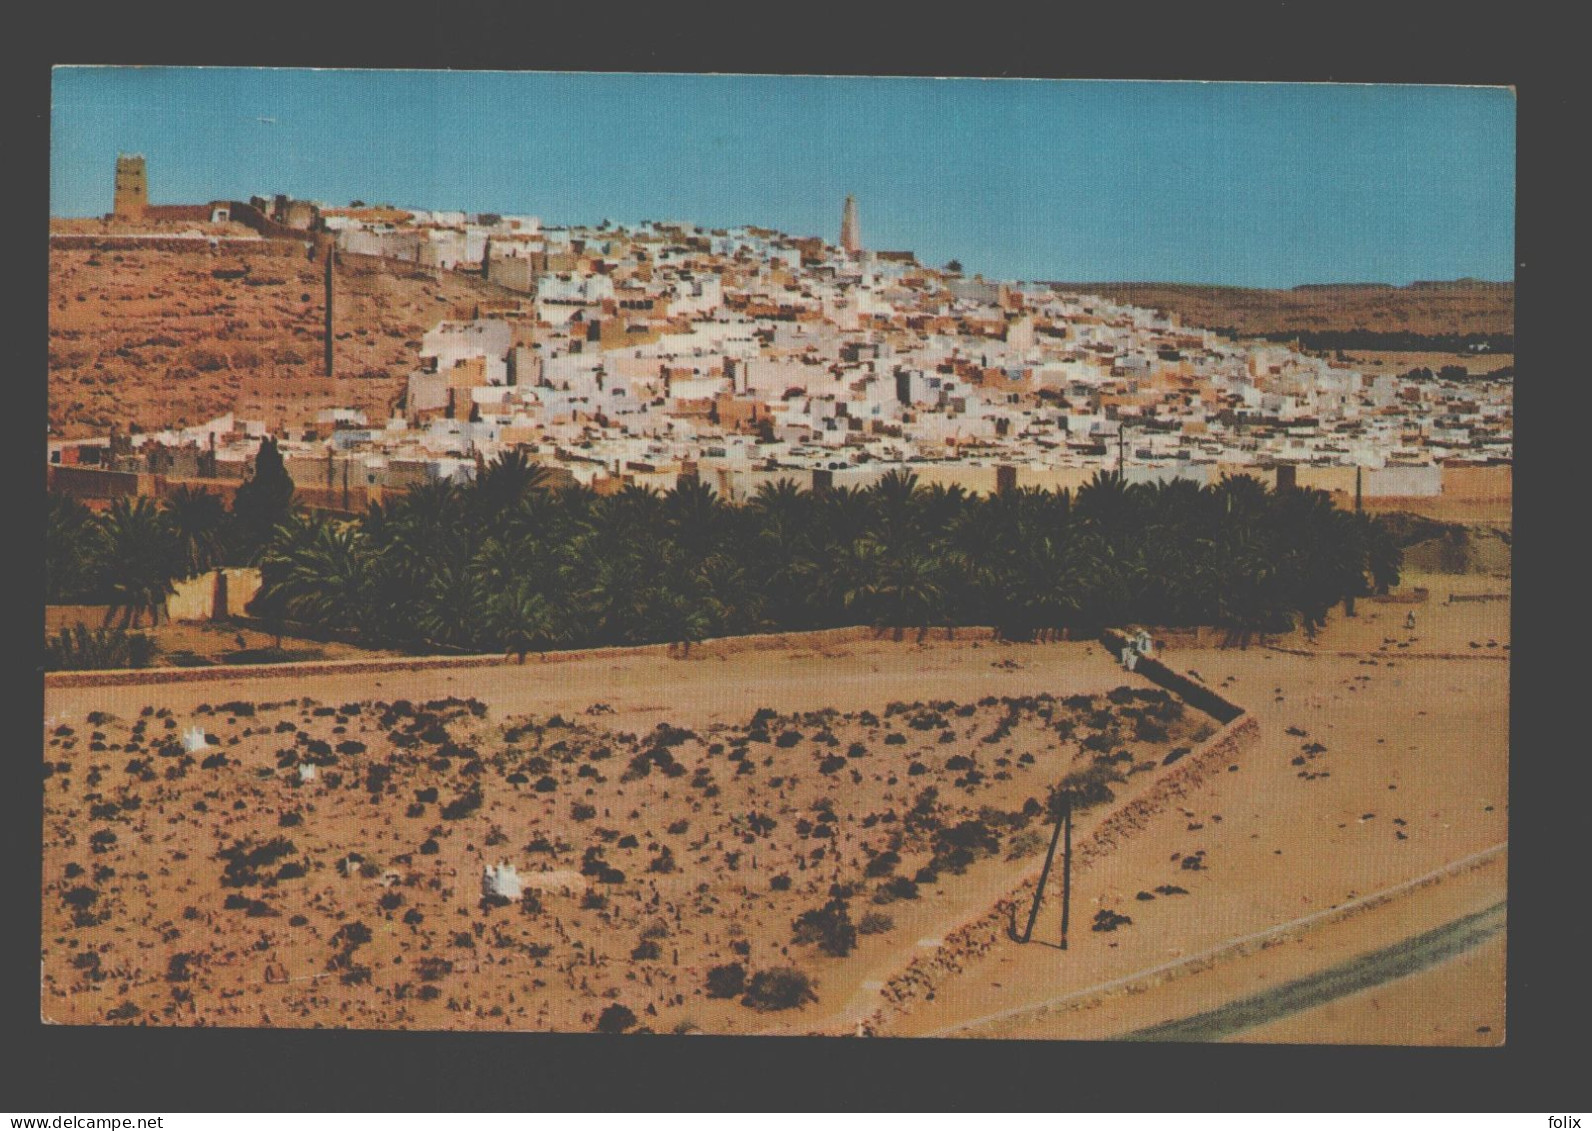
(1417,595)
(376,666)
(1491,655)
(232,245)
(1455,598)
(975,936)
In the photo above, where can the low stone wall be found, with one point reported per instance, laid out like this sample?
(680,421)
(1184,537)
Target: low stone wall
(975,936)
(1415,596)
(729,645)
(1494,654)
(232,245)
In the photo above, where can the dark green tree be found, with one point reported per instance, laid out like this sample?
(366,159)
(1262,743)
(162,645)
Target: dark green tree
(261,503)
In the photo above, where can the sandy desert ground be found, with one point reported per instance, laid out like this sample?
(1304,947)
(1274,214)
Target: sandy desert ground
(665,840)
(223,888)
(1375,765)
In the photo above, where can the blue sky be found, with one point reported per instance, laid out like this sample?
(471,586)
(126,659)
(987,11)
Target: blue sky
(1236,183)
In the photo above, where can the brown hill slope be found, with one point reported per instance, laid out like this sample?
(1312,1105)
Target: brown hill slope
(169,338)
(1461,307)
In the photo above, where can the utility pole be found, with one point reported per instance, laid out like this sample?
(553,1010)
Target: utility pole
(331,254)
(1066,865)
(1122,443)
(1039,889)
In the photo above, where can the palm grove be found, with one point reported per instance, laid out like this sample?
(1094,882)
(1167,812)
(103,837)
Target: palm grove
(504,564)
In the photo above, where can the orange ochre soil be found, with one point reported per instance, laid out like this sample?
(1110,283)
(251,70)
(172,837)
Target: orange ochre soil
(658,804)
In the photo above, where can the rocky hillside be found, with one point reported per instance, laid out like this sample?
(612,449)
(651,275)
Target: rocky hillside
(1463,307)
(163,338)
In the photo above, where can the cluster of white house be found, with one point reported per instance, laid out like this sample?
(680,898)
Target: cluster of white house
(637,354)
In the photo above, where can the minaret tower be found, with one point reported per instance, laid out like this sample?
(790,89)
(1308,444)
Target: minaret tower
(850,233)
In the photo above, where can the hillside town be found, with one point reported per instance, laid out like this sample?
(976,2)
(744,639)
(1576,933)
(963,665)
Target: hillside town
(646,353)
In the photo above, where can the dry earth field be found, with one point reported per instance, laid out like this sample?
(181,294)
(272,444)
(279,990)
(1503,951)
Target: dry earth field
(674,838)
(1376,762)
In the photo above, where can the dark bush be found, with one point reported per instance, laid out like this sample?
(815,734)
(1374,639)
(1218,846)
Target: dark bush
(874,923)
(829,926)
(882,864)
(771,990)
(726,981)
(615,1019)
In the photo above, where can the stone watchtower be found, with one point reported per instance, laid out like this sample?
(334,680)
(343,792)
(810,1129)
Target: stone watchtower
(132,187)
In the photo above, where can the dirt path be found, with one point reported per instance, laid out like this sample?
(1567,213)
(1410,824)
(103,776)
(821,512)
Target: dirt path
(1410,956)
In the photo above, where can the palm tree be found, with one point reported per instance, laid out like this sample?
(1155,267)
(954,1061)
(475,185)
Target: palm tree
(74,551)
(521,620)
(504,482)
(142,558)
(908,593)
(450,610)
(317,572)
(199,520)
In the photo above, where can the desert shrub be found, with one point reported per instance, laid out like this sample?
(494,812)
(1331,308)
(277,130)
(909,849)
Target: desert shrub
(82,649)
(786,988)
(1087,787)
(897,887)
(1149,730)
(882,864)
(959,845)
(432,968)
(615,1019)
(80,897)
(780,882)
(463,805)
(1024,843)
(874,923)
(829,926)
(645,950)
(726,981)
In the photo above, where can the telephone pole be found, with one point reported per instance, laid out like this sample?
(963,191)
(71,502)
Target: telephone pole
(1063,834)
(1039,889)
(331,254)
(1122,443)
(1066,865)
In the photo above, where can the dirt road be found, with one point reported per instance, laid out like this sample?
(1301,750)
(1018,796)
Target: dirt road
(1429,949)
